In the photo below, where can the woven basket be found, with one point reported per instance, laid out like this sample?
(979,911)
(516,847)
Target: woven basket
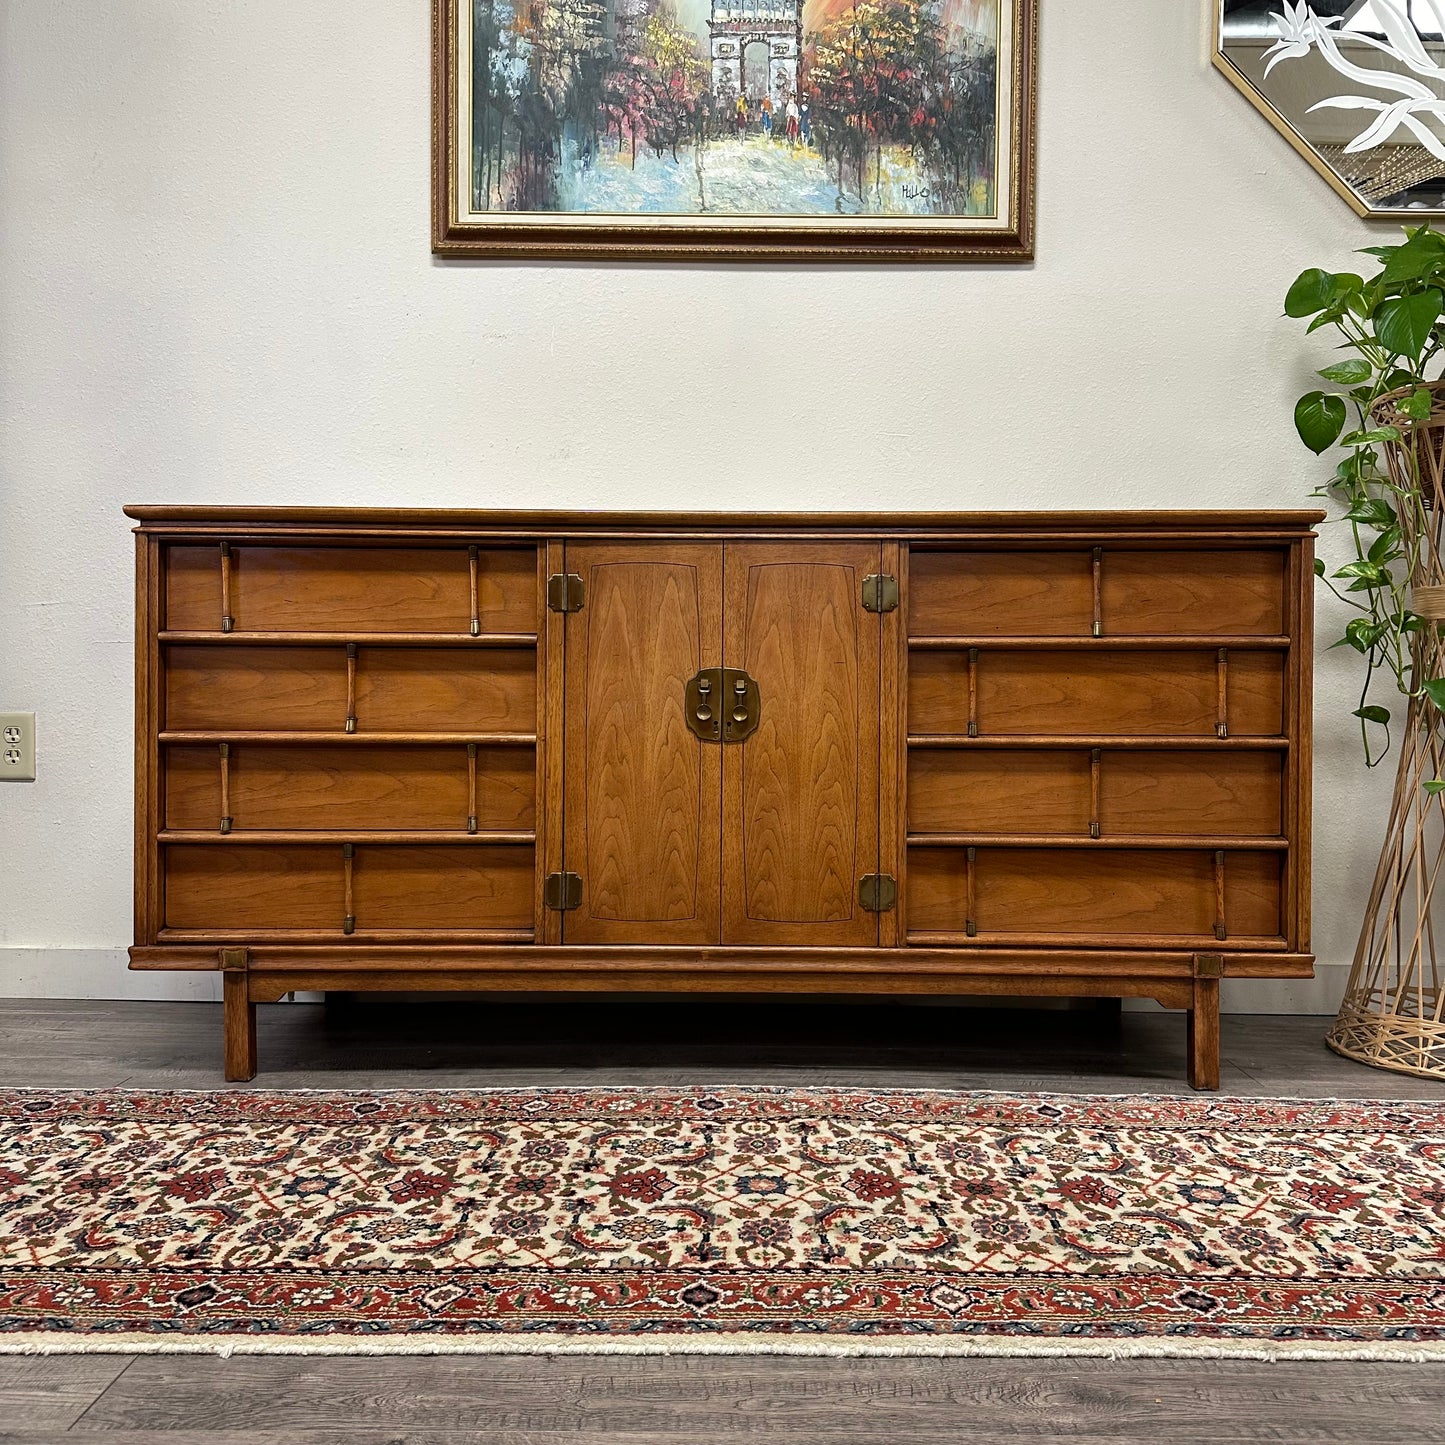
(1391,1015)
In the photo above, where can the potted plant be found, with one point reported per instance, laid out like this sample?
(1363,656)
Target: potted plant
(1383,415)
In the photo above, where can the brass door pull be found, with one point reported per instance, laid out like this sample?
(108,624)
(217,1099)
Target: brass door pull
(703,702)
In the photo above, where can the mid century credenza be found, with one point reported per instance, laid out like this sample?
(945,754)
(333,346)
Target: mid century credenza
(1007,753)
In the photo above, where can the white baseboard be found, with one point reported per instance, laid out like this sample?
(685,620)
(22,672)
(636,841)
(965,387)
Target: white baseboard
(101,973)
(95,973)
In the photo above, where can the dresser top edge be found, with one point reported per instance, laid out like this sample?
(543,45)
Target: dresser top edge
(540,524)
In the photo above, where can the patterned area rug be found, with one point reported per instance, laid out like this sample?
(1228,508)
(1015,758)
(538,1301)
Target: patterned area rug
(769,1220)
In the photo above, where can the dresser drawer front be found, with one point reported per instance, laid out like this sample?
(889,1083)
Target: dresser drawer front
(234,886)
(1098,693)
(1000,593)
(1179,593)
(241,687)
(1127,591)
(1113,894)
(350,589)
(321,787)
(214,888)
(440,888)
(1145,793)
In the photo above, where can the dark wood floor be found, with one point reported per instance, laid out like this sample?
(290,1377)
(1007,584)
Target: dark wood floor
(184,1400)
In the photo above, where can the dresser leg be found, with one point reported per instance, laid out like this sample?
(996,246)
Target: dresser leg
(240,1028)
(1204,1035)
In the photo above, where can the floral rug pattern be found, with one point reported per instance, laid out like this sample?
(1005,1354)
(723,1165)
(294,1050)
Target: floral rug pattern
(739,1214)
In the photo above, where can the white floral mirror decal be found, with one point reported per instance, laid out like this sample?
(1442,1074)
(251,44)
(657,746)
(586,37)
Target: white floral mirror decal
(1357,86)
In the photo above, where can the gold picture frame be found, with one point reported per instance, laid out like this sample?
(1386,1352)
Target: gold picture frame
(688,135)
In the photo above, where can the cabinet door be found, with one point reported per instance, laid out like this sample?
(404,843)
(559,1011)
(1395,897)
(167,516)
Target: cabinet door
(801,795)
(643,792)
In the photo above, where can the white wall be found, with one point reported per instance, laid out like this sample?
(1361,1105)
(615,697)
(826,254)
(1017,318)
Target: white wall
(215,286)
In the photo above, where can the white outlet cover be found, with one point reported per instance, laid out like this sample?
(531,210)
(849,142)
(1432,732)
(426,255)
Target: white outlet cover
(17,747)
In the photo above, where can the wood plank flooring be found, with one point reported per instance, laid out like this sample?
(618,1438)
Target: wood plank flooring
(524,1400)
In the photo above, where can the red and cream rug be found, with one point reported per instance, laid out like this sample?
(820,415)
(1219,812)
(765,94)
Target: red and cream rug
(736,1220)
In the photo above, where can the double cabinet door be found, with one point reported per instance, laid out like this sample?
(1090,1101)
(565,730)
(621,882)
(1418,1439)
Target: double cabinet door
(756,823)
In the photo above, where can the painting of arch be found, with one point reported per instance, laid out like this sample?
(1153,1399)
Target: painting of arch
(764,127)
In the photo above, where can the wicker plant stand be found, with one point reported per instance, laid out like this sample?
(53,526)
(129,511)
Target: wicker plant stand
(1391,1014)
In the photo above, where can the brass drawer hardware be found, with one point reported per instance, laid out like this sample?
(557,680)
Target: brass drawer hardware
(474,587)
(880,593)
(228,620)
(226,819)
(348,859)
(562,892)
(723,705)
(351,653)
(878,892)
(566,592)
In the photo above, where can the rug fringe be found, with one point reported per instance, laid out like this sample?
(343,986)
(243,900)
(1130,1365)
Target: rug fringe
(226,1346)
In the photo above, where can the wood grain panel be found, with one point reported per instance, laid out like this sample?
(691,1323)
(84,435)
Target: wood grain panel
(437,888)
(353,787)
(1254,894)
(1042,692)
(642,792)
(1035,790)
(248,688)
(800,796)
(435,689)
(1227,794)
(1111,894)
(215,887)
(1230,591)
(1000,593)
(191,588)
(352,589)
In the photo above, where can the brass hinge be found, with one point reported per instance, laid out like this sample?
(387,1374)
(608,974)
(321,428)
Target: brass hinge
(1208,965)
(562,892)
(565,592)
(880,593)
(878,892)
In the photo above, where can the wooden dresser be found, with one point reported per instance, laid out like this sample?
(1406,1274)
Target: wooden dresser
(1035,753)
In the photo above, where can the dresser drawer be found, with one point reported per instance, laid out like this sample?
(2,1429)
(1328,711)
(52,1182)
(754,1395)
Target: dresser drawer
(355,786)
(233,885)
(1093,893)
(350,589)
(1235,592)
(1095,693)
(1138,793)
(241,687)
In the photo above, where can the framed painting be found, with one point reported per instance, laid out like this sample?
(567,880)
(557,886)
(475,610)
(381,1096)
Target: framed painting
(768,130)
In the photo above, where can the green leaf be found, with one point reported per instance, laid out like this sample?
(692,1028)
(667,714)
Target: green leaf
(1371,438)
(1362,634)
(1370,573)
(1310,293)
(1418,404)
(1419,257)
(1319,567)
(1347,373)
(1435,787)
(1403,323)
(1435,691)
(1386,546)
(1373,714)
(1397,379)
(1373,512)
(1319,418)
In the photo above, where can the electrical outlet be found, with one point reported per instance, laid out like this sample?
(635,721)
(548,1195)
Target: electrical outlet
(17,747)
